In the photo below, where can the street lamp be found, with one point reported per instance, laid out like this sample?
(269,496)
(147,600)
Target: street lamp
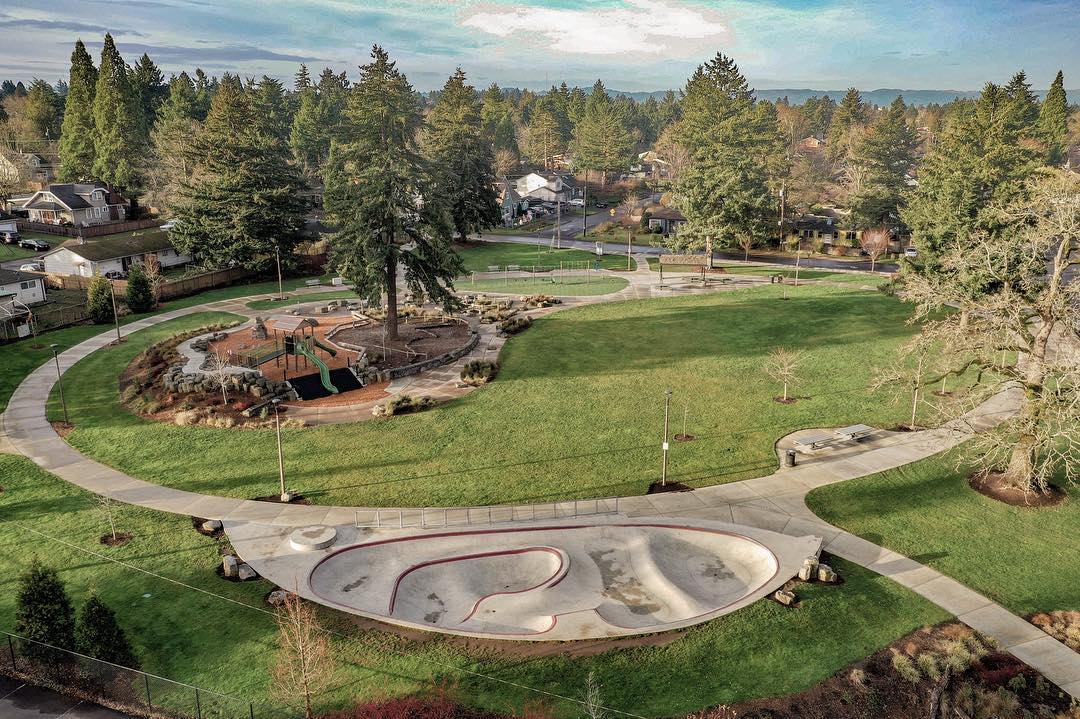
(284,497)
(667,412)
(60,382)
(116,316)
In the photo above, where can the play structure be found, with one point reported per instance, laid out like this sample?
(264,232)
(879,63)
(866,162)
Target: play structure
(293,337)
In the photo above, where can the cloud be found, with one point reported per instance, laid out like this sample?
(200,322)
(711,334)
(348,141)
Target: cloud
(653,27)
(206,53)
(6,21)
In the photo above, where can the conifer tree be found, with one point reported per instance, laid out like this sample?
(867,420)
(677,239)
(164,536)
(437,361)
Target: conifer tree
(204,93)
(1024,103)
(116,122)
(43,612)
(602,142)
(1054,120)
(172,140)
(99,300)
(302,79)
(542,136)
(242,205)
(882,160)
(43,110)
(140,295)
(270,109)
(381,194)
(847,119)
(77,136)
(149,91)
(461,159)
(99,635)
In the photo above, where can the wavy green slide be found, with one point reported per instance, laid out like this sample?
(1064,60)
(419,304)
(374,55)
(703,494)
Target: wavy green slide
(324,372)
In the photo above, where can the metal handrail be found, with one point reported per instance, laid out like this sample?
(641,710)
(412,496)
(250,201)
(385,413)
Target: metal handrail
(491,514)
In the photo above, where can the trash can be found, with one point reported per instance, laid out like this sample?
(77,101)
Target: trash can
(789,458)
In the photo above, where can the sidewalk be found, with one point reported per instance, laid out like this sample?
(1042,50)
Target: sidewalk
(22,701)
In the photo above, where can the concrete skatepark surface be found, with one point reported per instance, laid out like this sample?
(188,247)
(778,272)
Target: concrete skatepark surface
(576,579)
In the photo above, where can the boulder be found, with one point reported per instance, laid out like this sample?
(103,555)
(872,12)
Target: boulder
(230,565)
(211,525)
(784,597)
(807,573)
(277,597)
(245,572)
(826,573)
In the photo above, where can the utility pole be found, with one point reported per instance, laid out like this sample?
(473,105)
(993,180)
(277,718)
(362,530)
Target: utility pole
(116,317)
(284,497)
(60,381)
(667,412)
(585,207)
(280,290)
(629,235)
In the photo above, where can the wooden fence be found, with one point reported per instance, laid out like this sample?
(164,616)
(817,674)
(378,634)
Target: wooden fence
(170,289)
(111,228)
(78,282)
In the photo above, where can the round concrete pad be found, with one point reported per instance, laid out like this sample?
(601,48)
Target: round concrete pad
(562,581)
(308,539)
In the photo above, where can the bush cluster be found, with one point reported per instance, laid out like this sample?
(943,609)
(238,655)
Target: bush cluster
(515,324)
(404,404)
(478,372)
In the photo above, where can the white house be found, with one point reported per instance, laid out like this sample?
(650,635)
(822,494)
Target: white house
(21,287)
(7,223)
(76,204)
(546,188)
(96,257)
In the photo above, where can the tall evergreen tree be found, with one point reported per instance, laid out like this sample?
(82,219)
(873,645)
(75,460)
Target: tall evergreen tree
(302,79)
(850,116)
(736,155)
(1024,103)
(43,110)
(882,161)
(602,142)
(149,91)
(99,635)
(204,93)
(381,194)
(77,136)
(172,142)
(116,122)
(242,204)
(1054,120)
(462,159)
(543,138)
(43,612)
(270,109)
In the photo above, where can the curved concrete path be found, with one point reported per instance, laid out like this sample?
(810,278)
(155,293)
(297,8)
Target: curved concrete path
(775,502)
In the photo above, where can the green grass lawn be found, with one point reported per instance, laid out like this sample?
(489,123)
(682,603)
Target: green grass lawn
(191,626)
(789,272)
(479,256)
(1023,558)
(564,286)
(269,304)
(14,252)
(575,412)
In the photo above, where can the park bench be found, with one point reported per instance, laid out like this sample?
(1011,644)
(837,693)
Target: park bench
(513,268)
(313,283)
(854,432)
(816,441)
(493,268)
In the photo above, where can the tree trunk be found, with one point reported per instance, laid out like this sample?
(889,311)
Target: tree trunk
(391,299)
(1021,470)
(708,252)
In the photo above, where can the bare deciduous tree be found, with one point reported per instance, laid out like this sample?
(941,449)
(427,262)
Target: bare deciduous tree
(875,243)
(783,366)
(910,374)
(1029,305)
(218,368)
(592,702)
(105,504)
(304,665)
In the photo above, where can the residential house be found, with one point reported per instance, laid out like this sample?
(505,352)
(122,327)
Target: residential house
(80,205)
(7,223)
(34,170)
(546,188)
(510,202)
(667,219)
(810,144)
(96,257)
(18,291)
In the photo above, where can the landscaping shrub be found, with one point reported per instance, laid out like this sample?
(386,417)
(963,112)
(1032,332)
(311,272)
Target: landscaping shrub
(605,228)
(97,634)
(43,612)
(515,324)
(140,295)
(99,301)
(478,372)
(404,404)
(540,301)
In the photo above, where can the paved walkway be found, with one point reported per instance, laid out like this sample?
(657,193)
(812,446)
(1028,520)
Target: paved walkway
(22,701)
(775,502)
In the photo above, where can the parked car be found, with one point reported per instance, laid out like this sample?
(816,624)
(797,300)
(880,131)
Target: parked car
(601,205)
(911,252)
(10,237)
(115,275)
(35,245)
(32,267)
(577,202)
(170,224)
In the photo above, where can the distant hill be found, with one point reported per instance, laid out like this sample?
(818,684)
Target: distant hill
(880,97)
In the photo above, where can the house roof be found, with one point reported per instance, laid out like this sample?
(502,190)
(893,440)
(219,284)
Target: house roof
(72,196)
(43,205)
(667,213)
(112,249)
(7,277)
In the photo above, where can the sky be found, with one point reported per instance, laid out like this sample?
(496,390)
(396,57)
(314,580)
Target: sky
(633,45)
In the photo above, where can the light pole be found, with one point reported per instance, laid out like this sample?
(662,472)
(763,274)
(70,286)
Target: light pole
(284,497)
(667,412)
(60,382)
(280,289)
(116,316)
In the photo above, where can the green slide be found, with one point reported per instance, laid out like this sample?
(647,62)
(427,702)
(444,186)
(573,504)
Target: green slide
(328,350)
(324,372)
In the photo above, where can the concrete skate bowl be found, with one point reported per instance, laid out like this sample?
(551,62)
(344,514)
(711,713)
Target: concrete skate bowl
(555,582)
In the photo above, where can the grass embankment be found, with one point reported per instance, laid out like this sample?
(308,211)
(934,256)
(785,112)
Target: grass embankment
(575,411)
(189,625)
(558,285)
(478,256)
(787,272)
(1021,557)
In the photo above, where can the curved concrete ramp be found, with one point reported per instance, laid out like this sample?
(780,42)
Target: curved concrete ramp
(607,577)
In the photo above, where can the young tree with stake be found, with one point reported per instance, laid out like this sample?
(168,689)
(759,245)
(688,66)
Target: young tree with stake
(304,665)
(875,243)
(782,366)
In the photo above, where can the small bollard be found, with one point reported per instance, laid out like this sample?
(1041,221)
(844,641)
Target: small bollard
(789,458)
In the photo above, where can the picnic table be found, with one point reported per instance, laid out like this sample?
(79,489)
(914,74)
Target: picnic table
(855,432)
(818,440)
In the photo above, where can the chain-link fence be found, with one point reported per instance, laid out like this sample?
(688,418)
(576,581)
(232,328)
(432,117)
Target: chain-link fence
(128,690)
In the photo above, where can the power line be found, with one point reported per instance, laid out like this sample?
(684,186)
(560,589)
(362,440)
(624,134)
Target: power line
(331,632)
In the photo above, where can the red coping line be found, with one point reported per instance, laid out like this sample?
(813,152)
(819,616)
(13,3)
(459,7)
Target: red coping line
(555,617)
(463,557)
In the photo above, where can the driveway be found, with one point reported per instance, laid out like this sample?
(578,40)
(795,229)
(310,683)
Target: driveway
(22,701)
